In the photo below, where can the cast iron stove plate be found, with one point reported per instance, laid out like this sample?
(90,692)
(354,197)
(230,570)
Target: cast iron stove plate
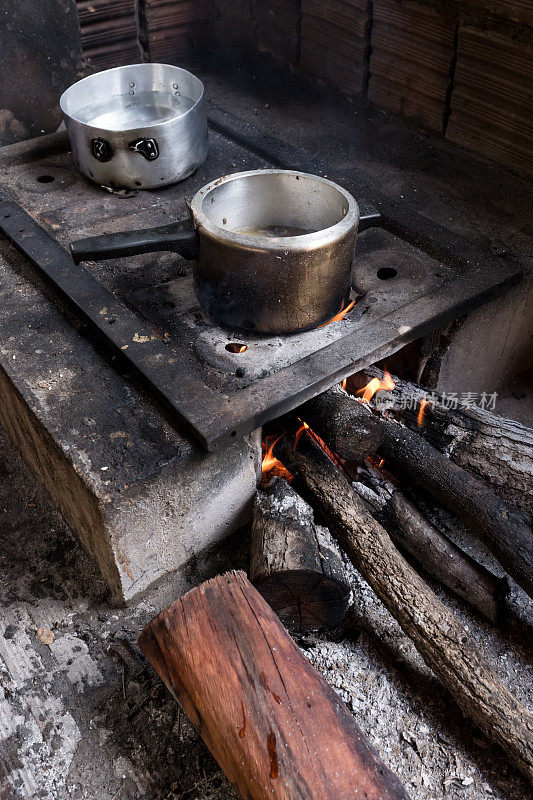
(145,307)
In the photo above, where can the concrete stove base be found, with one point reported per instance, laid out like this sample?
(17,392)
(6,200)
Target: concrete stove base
(142,499)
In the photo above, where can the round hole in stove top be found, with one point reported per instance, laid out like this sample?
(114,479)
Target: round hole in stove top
(386,273)
(45,178)
(236,347)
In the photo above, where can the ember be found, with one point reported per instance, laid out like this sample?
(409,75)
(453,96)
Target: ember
(303,427)
(339,462)
(421,410)
(235,347)
(375,461)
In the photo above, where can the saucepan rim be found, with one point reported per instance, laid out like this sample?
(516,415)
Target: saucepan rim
(149,67)
(306,241)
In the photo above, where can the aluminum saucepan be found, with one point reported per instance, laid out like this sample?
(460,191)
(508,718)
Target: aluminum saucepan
(138,126)
(273,249)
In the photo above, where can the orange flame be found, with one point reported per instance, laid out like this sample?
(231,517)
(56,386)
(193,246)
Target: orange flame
(340,316)
(343,383)
(420,418)
(376,385)
(337,460)
(303,427)
(272,465)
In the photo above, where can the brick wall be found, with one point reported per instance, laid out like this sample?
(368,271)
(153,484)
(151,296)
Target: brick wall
(117,32)
(462,68)
(175,28)
(277,24)
(108,32)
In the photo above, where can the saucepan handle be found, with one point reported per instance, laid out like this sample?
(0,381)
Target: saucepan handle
(179,237)
(370,218)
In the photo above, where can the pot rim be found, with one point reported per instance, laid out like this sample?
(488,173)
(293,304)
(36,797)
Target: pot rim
(126,68)
(305,241)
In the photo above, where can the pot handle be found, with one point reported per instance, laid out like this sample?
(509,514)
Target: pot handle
(179,237)
(370,218)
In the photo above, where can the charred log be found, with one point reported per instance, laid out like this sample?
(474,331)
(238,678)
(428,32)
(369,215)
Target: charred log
(496,449)
(443,643)
(438,556)
(276,728)
(505,529)
(294,563)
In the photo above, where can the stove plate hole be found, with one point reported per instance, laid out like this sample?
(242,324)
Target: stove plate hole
(236,347)
(45,178)
(386,273)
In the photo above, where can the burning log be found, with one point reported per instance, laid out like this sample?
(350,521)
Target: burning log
(496,449)
(294,563)
(443,643)
(433,551)
(271,721)
(338,418)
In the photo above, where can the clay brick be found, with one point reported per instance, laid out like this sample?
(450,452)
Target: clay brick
(108,32)
(492,98)
(333,42)
(411,58)
(277,26)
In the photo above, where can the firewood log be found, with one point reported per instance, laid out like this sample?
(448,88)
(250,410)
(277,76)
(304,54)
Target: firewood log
(505,529)
(496,449)
(444,644)
(432,550)
(294,563)
(276,728)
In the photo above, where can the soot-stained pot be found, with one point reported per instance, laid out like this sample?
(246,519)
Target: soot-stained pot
(272,249)
(137,127)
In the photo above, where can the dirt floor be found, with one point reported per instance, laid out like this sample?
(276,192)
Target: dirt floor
(82,715)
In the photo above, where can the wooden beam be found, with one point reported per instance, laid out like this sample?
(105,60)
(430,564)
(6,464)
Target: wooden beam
(276,728)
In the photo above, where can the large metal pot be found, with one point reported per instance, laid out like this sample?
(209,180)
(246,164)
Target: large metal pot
(139,126)
(273,249)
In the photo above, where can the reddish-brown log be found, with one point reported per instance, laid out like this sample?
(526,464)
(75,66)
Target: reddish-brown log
(276,728)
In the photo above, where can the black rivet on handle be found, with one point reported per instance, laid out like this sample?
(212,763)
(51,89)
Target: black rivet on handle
(101,150)
(148,148)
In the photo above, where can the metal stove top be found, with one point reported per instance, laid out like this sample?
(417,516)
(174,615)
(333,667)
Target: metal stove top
(411,277)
